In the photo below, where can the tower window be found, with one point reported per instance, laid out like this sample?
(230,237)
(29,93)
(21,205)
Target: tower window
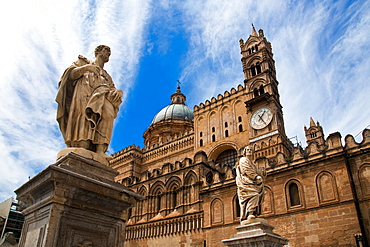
(258,68)
(253,70)
(240,128)
(213,129)
(226,133)
(201,134)
(201,142)
(213,138)
(255,92)
(262,90)
(239,119)
(225,124)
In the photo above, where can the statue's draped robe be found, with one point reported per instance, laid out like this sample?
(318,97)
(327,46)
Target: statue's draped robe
(250,194)
(86,110)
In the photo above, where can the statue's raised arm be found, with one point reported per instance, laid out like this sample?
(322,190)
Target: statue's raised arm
(88,103)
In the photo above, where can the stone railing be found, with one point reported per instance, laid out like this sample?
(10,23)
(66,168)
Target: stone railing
(168,148)
(165,227)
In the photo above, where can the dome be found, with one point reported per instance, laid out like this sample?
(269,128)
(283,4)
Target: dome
(174,111)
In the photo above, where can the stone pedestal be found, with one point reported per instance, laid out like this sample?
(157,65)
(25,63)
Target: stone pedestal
(75,202)
(257,234)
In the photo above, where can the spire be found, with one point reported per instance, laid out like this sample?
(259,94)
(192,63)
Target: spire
(254,32)
(312,123)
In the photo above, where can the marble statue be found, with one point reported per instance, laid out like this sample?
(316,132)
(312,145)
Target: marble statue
(88,103)
(250,183)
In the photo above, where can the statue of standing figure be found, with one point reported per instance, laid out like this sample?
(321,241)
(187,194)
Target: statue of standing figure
(250,183)
(88,103)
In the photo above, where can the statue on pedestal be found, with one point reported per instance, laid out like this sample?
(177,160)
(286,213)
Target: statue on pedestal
(250,183)
(88,103)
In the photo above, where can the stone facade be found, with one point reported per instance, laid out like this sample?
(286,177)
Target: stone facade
(317,196)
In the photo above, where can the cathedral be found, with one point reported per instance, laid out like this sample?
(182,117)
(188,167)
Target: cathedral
(317,196)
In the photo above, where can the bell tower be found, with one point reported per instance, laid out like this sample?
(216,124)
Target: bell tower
(266,123)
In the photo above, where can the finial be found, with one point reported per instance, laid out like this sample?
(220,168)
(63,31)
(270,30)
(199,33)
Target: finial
(178,85)
(254,33)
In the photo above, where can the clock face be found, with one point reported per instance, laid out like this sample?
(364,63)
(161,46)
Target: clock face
(261,118)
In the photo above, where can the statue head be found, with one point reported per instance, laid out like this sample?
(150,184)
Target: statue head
(247,151)
(104,51)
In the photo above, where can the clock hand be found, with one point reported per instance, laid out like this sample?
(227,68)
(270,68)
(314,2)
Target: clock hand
(260,116)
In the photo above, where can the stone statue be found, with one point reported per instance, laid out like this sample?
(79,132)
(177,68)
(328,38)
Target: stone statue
(88,103)
(249,180)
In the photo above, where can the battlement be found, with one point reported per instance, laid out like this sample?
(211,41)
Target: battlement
(227,96)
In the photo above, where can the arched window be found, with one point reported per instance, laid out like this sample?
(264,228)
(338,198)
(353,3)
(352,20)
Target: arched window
(201,134)
(255,92)
(225,124)
(240,128)
(201,142)
(262,90)
(213,129)
(253,70)
(158,200)
(174,199)
(227,157)
(239,119)
(213,138)
(294,197)
(226,133)
(258,68)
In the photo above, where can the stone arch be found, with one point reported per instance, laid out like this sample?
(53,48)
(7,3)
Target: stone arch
(190,178)
(216,151)
(326,187)
(190,190)
(294,194)
(217,212)
(172,187)
(156,202)
(364,178)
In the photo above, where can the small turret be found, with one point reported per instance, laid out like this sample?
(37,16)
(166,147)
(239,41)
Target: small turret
(314,133)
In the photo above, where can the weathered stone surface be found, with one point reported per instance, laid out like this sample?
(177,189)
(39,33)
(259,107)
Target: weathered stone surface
(73,202)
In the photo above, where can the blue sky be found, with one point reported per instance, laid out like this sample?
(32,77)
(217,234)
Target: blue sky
(321,49)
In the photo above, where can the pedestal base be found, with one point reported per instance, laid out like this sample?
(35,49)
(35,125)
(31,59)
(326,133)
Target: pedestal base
(258,234)
(74,202)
